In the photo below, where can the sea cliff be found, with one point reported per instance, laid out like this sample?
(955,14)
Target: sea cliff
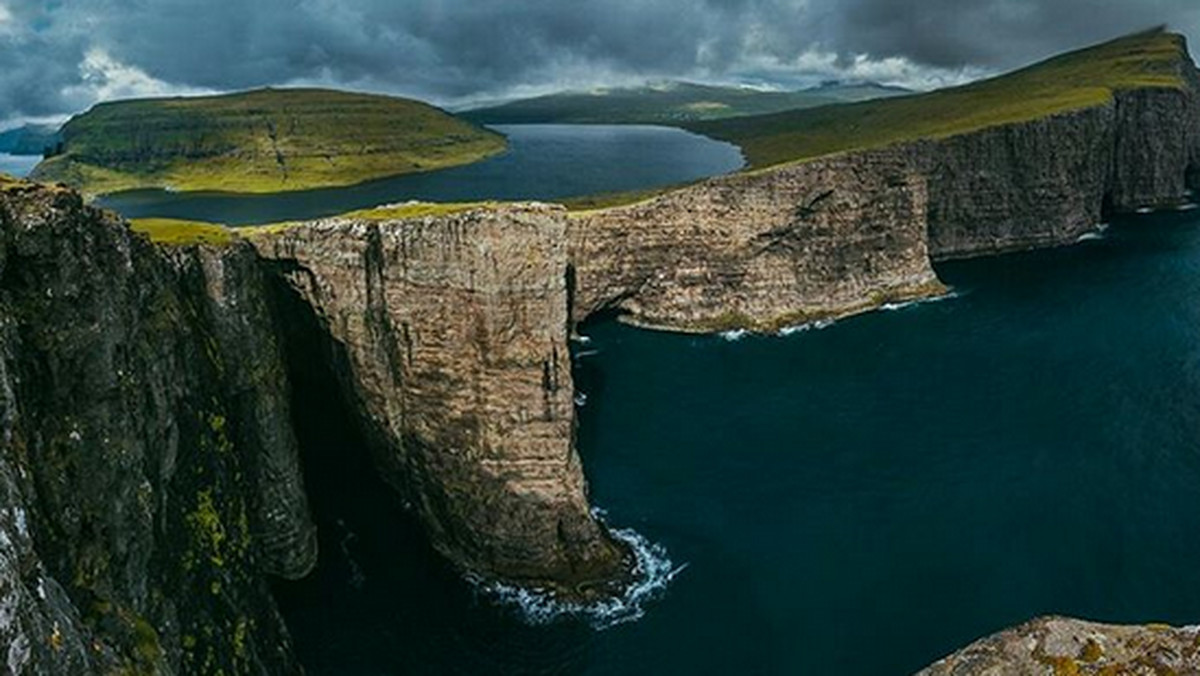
(150,477)
(449,334)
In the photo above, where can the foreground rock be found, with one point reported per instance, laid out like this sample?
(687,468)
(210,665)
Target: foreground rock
(1061,646)
(149,480)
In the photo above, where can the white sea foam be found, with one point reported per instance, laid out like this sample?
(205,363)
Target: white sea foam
(582,339)
(735,334)
(580,398)
(1146,210)
(1090,236)
(587,353)
(807,326)
(1187,207)
(653,571)
(891,307)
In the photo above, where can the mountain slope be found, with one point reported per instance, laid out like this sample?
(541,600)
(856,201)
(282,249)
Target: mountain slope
(31,139)
(267,140)
(1087,77)
(669,103)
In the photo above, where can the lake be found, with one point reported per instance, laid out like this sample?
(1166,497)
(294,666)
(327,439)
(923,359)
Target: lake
(544,162)
(18,165)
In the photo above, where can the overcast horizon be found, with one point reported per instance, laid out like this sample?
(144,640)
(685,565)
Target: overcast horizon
(60,58)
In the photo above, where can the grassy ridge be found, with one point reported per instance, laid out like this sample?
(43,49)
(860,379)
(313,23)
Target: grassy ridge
(269,140)
(184,232)
(176,231)
(1068,82)
(668,103)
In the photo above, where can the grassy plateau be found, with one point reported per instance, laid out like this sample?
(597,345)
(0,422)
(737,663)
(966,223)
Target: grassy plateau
(269,140)
(180,232)
(1075,80)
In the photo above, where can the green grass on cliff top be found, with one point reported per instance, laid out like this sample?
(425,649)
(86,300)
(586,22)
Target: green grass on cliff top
(1075,80)
(180,232)
(184,232)
(269,140)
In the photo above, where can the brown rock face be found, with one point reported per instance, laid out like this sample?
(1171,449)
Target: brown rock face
(450,335)
(761,250)
(1056,645)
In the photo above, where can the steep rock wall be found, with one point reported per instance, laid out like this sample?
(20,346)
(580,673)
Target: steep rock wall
(760,250)
(137,432)
(1035,184)
(450,337)
(842,234)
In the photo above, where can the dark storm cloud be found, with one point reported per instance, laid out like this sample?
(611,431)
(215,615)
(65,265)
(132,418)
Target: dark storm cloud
(997,33)
(58,56)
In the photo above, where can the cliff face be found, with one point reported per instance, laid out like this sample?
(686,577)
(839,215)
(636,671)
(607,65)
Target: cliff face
(450,337)
(760,250)
(147,474)
(1036,184)
(846,233)
(1046,182)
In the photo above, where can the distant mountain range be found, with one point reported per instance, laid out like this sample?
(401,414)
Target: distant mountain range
(31,139)
(671,102)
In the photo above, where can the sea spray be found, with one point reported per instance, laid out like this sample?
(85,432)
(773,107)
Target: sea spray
(807,326)
(892,307)
(652,571)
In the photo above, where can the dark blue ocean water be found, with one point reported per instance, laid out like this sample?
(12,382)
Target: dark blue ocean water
(544,162)
(859,499)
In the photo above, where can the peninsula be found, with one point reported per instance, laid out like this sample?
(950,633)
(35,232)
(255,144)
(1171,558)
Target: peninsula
(262,141)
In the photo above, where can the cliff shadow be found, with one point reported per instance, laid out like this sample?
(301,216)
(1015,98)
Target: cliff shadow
(380,599)
(364,530)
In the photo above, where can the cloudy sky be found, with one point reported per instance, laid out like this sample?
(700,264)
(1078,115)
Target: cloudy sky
(58,57)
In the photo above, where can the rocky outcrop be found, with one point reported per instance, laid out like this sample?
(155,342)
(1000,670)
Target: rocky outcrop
(1056,645)
(450,337)
(148,477)
(760,250)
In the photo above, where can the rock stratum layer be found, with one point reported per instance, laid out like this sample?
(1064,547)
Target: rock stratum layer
(850,232)
(150,479)
(450,333)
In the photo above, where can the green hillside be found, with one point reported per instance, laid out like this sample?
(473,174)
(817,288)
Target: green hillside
(1071,81)
(31,139)
(669,103)
(268,140)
